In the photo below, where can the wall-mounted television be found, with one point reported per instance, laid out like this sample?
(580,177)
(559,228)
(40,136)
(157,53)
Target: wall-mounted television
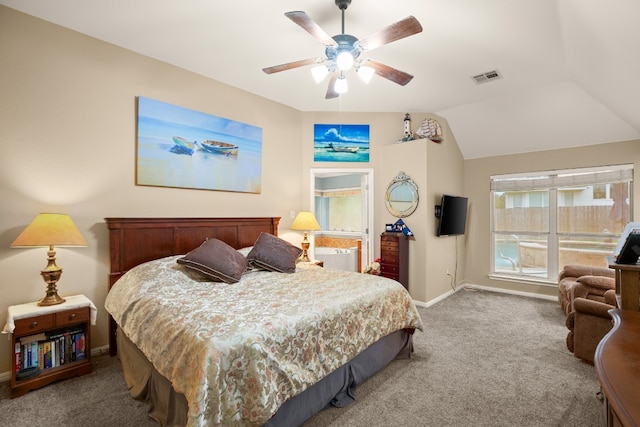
(452,215)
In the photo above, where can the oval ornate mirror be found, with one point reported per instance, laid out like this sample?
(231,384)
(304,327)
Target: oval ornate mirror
(402,196)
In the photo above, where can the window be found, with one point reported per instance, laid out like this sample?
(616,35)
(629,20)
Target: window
(600,191)
(543,221)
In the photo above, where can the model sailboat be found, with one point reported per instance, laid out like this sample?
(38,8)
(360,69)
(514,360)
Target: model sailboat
(430,128)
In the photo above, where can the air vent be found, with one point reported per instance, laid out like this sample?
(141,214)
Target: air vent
(487,77)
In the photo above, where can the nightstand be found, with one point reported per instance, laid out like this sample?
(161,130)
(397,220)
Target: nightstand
(49,343)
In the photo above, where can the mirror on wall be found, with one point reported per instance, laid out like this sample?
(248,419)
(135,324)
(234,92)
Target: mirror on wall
(402,196)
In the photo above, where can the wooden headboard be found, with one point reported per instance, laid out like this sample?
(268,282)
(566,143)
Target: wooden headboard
(133,241)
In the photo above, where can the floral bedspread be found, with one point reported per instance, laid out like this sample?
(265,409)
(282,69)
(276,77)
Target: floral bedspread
(239,351)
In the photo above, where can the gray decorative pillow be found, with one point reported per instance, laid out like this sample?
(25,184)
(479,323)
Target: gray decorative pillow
(216,260)
(274,254)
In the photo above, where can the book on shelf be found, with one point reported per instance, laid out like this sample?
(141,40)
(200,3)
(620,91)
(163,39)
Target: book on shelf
(51,349)
(36,337)
(46,351)
(41,354)
(80,346)
(17,356)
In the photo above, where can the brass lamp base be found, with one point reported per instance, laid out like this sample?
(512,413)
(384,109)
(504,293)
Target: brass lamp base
(52,299)
(51,274)
(305,247)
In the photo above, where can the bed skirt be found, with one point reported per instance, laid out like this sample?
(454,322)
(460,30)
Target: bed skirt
(169,408)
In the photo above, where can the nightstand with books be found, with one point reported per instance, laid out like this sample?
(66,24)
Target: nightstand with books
(49,343)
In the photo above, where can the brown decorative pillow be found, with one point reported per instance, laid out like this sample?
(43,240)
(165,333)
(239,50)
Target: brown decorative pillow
(274,254)
(601,282)
(216,260)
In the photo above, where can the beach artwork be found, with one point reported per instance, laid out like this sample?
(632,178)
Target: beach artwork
(183,148)
(340,143)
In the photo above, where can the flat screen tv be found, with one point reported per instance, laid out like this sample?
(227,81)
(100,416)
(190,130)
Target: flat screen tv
(452,215)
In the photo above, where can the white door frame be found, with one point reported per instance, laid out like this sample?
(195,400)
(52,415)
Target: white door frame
(368,243)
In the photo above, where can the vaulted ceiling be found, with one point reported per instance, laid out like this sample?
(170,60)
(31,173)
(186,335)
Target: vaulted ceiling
(570,69)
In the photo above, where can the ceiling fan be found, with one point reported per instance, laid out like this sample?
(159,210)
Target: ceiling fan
(343,51)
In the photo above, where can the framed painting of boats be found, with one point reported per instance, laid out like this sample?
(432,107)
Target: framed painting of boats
(340,143)
(183,148)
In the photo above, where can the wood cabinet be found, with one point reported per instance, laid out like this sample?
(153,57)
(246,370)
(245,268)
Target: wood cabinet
(394,257)
(49,344)
(627,285)
(618,370)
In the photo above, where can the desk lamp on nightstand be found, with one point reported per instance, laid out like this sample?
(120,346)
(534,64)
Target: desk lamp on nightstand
(49,229)
(305,221)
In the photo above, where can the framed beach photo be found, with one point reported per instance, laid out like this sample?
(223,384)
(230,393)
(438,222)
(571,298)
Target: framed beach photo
(183,148)
(340,143)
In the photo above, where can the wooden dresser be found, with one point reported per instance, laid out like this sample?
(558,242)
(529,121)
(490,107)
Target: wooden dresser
(627,285)
(394,257)
(617,363)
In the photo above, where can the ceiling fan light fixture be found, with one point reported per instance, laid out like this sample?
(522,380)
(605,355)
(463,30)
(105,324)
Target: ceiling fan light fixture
(344,60)
(365,73)
(319,72)
(342,51)
(341,85)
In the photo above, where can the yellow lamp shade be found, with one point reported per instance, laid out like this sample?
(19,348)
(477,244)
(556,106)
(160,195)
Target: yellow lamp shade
(305,221)
(50,229)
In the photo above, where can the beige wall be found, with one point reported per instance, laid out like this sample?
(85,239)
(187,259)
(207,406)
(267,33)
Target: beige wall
(68,145)
(436,168)
(476,176)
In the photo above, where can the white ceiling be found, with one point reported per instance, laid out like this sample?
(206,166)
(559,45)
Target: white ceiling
(571,68)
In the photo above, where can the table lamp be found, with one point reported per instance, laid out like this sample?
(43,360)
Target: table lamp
(305,221)
(50,229)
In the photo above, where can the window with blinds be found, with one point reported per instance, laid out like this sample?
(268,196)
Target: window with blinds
(542,221)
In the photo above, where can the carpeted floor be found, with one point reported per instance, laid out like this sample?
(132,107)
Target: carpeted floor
(484,359)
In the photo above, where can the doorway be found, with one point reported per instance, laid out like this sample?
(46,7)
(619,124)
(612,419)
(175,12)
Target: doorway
(342,201)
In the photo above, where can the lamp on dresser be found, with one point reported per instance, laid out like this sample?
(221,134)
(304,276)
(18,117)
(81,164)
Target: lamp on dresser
(50,229)
(305,221)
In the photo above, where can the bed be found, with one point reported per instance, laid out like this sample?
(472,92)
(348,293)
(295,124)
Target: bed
(296,342)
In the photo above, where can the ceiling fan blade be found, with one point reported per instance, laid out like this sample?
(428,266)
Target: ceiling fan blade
(289,66)
(390,73)
(309,25)
(396,31)
(331,92)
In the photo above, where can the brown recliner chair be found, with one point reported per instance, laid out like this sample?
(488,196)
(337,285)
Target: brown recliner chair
(588,323)
(596,281)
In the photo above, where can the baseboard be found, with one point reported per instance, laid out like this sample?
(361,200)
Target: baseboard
(433,301)
(97,351)
(474,287)
(507,291)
